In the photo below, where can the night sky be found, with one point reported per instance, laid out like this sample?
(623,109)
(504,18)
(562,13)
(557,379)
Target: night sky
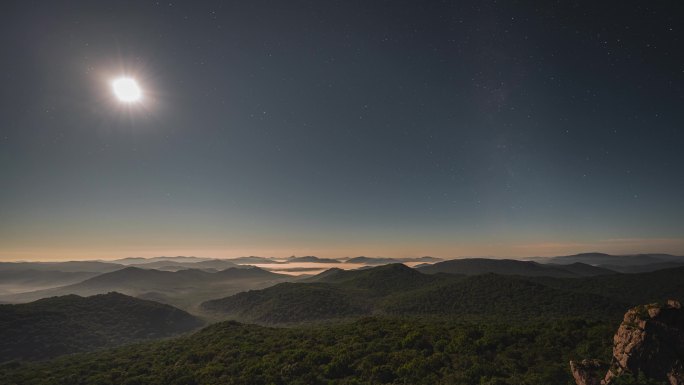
(341,128)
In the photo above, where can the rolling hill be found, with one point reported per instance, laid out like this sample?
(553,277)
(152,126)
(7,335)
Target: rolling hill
(631,289)
(378,280)
(399,290)
(183,288)
(644,268)
(499,296)
(69,324)
(475,266)
(19,281)
(21,277)
(626,263)
(333,294)
(291,303)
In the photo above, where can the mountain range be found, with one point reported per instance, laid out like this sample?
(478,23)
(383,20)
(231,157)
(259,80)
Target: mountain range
(399,290)
(183,288)
(68,266)
(207,265)
(456,321)
(188,281)
(630,263)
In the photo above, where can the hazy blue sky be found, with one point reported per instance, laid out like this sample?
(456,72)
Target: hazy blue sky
(341,128)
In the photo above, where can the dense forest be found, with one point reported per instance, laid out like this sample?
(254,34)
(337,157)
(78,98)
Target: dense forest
(366,351)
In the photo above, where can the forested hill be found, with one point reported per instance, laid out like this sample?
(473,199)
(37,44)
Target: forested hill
(634,289)
(399,290)
(379,280)
(69,324)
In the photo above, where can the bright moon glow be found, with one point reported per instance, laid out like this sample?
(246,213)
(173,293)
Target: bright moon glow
(126,90)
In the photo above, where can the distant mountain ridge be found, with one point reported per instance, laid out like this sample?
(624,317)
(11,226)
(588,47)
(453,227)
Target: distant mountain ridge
(17,281)
(475,266)
(313,259)
(143,260)
(67,266)
(181,288)
(186,282)
(215,264)
(253,260)
(629,263)
(386,261)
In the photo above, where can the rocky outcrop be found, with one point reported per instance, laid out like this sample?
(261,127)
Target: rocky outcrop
(588,372)
(649,343)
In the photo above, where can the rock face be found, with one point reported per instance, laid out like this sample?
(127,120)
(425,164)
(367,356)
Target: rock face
(649,342)
(588,372)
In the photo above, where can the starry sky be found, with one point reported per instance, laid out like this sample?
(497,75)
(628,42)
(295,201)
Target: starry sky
(341,128)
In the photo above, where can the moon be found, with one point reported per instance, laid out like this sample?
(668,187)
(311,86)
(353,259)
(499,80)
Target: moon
(126,90)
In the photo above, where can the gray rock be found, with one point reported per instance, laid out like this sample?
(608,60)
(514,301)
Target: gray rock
(649,342)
